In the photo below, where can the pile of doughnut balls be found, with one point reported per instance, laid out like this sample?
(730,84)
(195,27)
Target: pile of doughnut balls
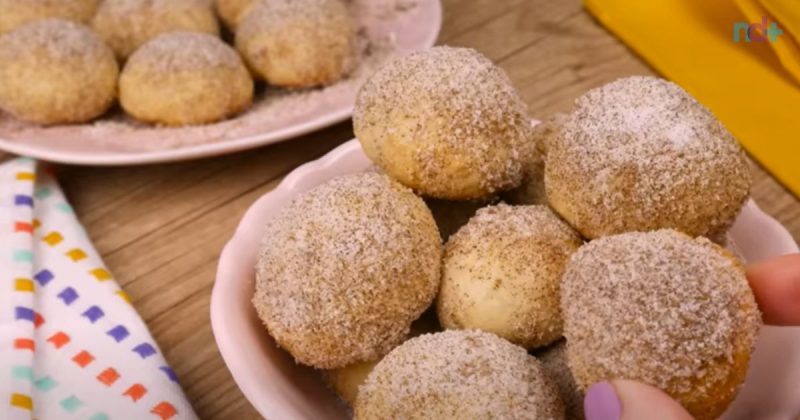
(68,61)
(578,250)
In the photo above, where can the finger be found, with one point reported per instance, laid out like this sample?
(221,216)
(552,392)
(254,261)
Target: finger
(630,400)
(776,285)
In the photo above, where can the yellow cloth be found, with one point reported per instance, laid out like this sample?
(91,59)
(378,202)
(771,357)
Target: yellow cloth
(788,13)
(751,90)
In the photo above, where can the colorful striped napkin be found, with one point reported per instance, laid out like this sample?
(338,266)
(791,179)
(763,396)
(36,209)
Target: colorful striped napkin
(71,344)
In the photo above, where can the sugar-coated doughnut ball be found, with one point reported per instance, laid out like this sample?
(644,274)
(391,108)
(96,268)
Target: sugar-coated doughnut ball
(14,13)
(183,78)
(298,43)
(554,363)
(126,25)
(641,154)
(346,268)
(502,274)
(664,309)
(56,72)
(458,374)
(232,11)
(445,122)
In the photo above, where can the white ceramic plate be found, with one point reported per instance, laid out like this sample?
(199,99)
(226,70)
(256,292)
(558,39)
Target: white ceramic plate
(408,25)
(281,389)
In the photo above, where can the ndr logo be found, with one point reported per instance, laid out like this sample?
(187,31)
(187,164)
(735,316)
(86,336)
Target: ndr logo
(756,31)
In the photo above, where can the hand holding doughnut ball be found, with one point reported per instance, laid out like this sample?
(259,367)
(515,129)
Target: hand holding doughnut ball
(776,285)
(664,309)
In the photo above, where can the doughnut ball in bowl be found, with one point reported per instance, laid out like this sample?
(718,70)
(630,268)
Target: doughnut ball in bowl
(346,268)
(531,190)
(19,12)
(445,122)
(502,274)
(641,154)
(450,215)
(661,308)
(347,380)
(232,11)
(298,43)
(555,365)
(56,72)
(184,78)
(126,25)
(458,374)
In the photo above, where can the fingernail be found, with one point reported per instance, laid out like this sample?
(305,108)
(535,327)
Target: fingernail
(602,403)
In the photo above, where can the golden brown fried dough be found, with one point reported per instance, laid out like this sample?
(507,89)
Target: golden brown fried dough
(56,72)
(664,309)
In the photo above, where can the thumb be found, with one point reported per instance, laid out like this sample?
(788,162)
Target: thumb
(630,400)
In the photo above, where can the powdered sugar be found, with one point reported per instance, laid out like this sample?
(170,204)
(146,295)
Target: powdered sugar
(346,268)
(57,39)
(123,8)
(641,154)
(185,51)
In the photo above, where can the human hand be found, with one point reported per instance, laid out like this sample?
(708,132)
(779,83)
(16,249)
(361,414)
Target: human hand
(776,286)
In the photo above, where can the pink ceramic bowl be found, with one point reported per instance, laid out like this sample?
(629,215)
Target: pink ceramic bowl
(280,389)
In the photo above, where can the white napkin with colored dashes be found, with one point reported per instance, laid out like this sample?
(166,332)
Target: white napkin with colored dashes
(71,344)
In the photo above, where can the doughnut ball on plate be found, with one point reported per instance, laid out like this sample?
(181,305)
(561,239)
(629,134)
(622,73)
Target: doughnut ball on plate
(661,308)
(502,274)
(346,268)
(445,122)
(126,25)
(554,363)
(19,12)
(641,154)
(458,375)
(56,72)
(184,78)
(232,11)
(298,43)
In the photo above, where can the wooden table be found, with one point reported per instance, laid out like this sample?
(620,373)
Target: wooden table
(161,228)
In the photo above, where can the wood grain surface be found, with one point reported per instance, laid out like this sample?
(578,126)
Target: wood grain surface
(161,228)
